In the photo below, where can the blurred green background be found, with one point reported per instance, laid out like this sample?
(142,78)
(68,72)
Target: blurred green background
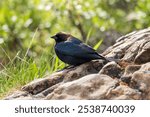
(26,27)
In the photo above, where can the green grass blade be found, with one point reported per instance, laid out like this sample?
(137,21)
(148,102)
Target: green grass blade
(98,44)
(88,35)
(31,43)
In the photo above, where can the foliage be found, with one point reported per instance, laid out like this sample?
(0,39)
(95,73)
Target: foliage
(20,18)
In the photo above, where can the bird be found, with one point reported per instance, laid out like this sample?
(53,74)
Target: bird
(73,51)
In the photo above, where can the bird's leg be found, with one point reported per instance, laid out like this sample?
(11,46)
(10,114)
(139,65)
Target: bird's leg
(67,67)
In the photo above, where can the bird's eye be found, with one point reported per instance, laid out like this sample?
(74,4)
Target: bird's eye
(56,38)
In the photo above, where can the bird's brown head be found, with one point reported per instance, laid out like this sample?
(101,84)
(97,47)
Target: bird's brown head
(61,36)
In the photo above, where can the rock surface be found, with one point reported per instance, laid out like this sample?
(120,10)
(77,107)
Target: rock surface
(127,76)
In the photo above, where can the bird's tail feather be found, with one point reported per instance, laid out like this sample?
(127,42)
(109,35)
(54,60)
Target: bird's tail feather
(109,59)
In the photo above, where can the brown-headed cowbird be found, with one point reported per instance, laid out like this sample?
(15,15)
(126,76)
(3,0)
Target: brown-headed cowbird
(72,51)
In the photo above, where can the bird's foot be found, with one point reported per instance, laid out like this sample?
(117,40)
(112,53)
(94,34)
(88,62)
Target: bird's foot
(66,68)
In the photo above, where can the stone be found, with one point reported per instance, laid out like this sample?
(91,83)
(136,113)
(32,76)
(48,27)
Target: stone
(94,86)
(123,92)
(133,47)
(141,80)
(112,69)
(65,75)
(129,70)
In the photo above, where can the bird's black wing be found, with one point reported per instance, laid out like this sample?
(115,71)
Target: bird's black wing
(75,40)
(76,50)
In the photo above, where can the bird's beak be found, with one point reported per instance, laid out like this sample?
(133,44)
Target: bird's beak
(53,37)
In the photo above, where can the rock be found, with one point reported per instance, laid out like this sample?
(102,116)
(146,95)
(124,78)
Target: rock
(133,47)
(141,80)
(143,56)
(112,69)
(126,76)
(129,70)
(94,86)
(124,92)
(41,84)
(19,95)
(66,75)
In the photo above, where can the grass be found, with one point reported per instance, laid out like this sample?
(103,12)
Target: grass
(21,71)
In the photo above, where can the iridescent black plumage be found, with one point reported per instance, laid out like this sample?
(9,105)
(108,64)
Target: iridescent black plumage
(72,51)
